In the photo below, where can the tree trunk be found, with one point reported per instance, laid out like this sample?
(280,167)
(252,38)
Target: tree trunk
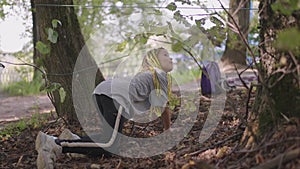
(278,94)
(59,63)
(235,50)
(34,39)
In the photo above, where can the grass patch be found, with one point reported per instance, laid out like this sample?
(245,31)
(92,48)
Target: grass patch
(24,87)
(185,76)
(15,128)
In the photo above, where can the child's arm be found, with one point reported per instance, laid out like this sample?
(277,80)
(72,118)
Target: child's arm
(166,118)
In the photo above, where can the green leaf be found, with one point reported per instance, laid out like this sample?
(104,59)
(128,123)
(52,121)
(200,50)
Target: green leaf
(52,35)
(141,38)
(171,6)
(157,12)
(62,94)
(286,7)
(42,48)
(288,40)
(177,46)
(180,18)
(216,35)
(114,10)
(216,21)
(121,46)
(55,22)
(184,2)
(52,87)
(200,22)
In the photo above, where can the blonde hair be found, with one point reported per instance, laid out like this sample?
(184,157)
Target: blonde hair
(150,62)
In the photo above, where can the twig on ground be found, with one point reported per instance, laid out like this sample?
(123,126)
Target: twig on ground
(243,121)
(270,144)
(217,144)
(119,166)
(281,158)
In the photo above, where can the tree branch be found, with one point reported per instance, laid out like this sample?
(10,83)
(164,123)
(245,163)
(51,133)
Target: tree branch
(241,79)
(25,64)
(292,139)
(281,158)
(217,144)
(297,67)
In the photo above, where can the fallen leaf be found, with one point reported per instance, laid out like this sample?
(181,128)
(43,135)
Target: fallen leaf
(169,156)
(222,152)
(259,158)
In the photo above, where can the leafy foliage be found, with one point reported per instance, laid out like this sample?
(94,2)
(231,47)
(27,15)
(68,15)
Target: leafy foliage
(142,38)
(42,48)
(52,35)
(184,2)
(286,7)
(55,23)
(177,45)
(3,4)
(62,94)
(103,11)
(289,40)
(121,46)
(172,6)
(216,33)
(53,86)
(180,18)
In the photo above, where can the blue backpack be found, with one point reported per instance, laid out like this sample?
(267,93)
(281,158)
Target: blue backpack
(209,85)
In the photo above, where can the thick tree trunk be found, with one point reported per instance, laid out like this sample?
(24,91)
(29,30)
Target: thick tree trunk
(60,62)
(278,94)
(235,50)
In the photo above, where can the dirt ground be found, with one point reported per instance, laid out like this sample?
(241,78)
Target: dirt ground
(13,108)
(222,150)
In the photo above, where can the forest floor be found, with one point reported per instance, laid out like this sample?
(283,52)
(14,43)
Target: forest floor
(223,149)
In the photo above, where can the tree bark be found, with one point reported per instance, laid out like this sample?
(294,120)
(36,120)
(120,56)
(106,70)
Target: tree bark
(278,93)
(235,51)
(34,39)
(59,63)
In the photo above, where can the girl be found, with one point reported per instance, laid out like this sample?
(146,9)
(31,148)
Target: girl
(147,91)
